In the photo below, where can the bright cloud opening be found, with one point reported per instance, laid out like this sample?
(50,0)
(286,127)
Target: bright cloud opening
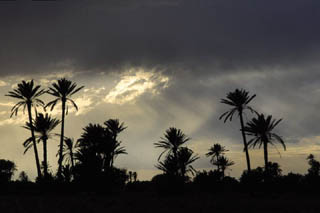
(134,83)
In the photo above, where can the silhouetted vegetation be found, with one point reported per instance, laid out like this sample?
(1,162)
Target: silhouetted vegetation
(87,165)
(239,100)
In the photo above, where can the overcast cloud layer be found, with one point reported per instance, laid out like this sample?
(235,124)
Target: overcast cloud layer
(160,63)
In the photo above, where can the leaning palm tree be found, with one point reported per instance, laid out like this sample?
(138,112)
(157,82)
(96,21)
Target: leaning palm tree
(28,95)
(215,152)
(261,130)
(172,141)
(62,90)
(42,125)
(239,100)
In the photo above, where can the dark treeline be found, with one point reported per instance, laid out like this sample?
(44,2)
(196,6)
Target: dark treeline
(87,164)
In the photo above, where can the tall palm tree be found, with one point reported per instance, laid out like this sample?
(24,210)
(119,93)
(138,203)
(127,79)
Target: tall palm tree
(42,125)
(215,152)
(172,141)
(28,95)
(239,100)
(62,90)
(261,131)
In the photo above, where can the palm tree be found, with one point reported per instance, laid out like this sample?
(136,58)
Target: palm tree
(114,128)
(222,163)
(261,130)
(185,159)
(42,125)
(68,151)
(172,141)
(215,152)
(62,90)
(239,100)
(103,142)
(28,95)
(180,165)
(135,176)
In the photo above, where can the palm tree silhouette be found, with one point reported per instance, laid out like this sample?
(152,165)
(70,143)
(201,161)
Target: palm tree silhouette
(185,159)
(180,164)
(261,130)
(62,90)
(28,95)
(114,128)
(222,163)
(68,151)
(239,100)
(172,141)
(103,142)
(215,152)
(135,176)
(42,125)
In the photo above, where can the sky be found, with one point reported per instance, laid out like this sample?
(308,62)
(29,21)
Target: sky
(156,64)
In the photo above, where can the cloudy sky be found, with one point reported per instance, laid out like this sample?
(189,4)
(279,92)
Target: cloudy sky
(160,63)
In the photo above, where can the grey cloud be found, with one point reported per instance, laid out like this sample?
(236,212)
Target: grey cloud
(192,34)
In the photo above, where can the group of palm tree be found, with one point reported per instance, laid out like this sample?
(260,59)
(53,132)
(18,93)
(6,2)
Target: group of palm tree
(260,130)
(98,146)
(178,158)
(217,155)
(28,95)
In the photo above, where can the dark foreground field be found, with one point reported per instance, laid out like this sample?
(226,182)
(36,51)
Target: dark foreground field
(144,202)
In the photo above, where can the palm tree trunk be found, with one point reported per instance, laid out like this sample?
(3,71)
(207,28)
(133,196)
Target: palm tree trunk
(245,142)
(218,166)
(45,159)
(71,157)
(61,138)
(34,141)
(265,149)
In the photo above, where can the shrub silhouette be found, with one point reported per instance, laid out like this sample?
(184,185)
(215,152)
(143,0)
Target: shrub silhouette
(7,169)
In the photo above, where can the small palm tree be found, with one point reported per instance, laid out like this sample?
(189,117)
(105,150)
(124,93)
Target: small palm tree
(185,158)
(68,151)
(261,131)
(239,100)
(28,95)
(222,163)
(42,125)
(114,128)
(62,90)
(215,152)
(135,176)
(172,141)
(180,165)
(101,141)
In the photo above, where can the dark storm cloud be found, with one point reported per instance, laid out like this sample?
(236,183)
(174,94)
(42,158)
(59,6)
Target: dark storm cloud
(192,34)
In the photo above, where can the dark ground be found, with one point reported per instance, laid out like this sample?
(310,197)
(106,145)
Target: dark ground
(145,202)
